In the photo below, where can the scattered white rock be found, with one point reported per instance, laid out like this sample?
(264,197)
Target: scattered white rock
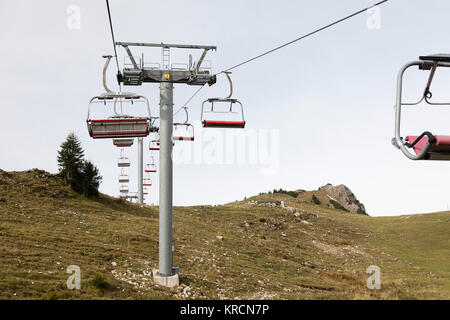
(219,237)
(113,264)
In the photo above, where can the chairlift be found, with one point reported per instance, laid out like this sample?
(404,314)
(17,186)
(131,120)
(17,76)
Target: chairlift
(119,125)
(147,182)
(426,146)
(123,143)
(124,188)
(124,178)
(154,145)
(183,131)
(237,112)
(123,162)
(150,168)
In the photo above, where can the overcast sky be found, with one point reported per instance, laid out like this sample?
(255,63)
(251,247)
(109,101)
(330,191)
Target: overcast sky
(321,110)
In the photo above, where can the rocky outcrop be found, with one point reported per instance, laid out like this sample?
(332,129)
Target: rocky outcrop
(345,197)
(337,197)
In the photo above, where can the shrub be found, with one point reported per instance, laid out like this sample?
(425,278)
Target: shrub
(316,200)
(99,282)
(82,176)
(293,194)
(337,205)
(90,179)
(361,211)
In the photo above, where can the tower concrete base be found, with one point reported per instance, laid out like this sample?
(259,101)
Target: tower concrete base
(167,281)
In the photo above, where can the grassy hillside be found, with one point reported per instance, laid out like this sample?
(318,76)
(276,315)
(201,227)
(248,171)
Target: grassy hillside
(241,250)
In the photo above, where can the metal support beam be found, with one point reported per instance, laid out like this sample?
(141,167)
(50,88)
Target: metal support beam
(130,55)
(140,192)
(164,45)
(165,179)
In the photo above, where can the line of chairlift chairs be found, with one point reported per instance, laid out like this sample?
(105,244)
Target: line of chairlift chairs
(122,128)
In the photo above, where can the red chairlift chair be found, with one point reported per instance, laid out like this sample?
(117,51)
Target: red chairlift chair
(237,122)
(426,146)
(119,125)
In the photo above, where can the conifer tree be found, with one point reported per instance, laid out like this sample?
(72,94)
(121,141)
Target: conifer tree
(91,179)
(70,161)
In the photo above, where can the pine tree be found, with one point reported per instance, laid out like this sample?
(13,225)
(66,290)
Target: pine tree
(91,179)
(70,161)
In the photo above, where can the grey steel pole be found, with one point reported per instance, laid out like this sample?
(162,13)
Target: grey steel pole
(165,179)
(140,170)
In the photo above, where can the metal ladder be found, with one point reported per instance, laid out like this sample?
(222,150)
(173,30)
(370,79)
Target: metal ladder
(166,58)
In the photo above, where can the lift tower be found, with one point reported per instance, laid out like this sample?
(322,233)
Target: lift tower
(136,74)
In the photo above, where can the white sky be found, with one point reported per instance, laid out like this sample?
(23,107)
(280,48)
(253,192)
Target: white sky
(331,96)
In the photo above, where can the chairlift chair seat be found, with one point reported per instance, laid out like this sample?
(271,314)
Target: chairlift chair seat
(223,124)
(439,148)
(123,143)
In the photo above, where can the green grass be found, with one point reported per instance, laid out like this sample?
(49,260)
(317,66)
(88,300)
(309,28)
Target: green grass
(265,253)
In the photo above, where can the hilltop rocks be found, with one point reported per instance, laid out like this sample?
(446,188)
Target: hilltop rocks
(345,197)
(338,197)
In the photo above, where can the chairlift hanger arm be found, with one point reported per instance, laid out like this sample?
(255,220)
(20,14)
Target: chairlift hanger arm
(200,61)
(130,55)
(105,68)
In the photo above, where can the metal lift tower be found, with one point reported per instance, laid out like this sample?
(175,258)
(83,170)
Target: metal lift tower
(135,74)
